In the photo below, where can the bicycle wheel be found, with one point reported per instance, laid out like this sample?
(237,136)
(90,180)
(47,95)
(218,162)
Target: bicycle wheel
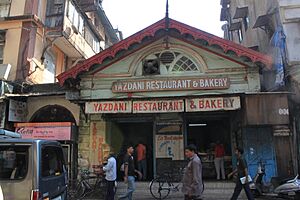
(160,189)
(100,187)
(80,190)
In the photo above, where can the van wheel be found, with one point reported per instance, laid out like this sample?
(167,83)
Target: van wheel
(297,196)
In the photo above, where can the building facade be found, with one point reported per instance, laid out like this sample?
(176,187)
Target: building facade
(39,40)
(271,27)
(170,85)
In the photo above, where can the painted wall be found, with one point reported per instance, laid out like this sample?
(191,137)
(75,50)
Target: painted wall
(35,103)
(17,7)
(12,43)
(242,78)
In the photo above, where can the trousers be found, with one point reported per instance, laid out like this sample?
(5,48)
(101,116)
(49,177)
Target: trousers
(142,167)
(130,188)
(238,188)
(219,165)
(110,192)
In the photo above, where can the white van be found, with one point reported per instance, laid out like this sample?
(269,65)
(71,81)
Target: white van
(32,170)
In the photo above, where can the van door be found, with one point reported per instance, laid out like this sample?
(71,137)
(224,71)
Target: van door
(15,171)
(53,173)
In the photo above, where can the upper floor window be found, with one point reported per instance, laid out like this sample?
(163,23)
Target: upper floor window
(4,8)
(76,18)
(2,43)
(242,13)
(54,13)
(169,62)
(91,39)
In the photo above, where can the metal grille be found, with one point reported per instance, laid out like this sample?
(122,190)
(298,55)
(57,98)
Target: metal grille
(167,57)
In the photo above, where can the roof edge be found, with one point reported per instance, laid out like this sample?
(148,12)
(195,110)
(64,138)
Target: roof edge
(226,45)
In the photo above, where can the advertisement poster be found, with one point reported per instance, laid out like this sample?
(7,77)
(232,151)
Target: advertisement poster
(170,146)
(47,130)
(17,111)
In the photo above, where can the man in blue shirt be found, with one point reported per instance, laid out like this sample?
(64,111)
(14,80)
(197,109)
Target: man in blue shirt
(110,170)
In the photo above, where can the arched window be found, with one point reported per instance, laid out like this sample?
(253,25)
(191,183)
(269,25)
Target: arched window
(184,64)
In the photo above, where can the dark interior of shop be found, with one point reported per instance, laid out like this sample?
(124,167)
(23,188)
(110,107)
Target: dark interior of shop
(205,134)
(133,133)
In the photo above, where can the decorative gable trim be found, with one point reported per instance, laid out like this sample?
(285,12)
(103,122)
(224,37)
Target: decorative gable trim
(150,31)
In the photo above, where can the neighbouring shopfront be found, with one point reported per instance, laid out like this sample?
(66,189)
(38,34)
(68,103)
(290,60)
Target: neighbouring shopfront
(64,132)
(170,85)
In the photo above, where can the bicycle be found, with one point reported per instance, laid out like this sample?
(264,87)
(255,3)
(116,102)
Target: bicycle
(88,185)
(161,186)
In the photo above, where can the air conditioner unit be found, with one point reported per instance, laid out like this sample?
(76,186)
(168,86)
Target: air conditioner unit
(67,32)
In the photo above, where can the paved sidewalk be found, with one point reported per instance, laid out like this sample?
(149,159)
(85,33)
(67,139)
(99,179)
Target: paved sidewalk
(213,191)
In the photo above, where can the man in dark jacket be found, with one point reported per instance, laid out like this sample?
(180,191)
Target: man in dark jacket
(242,171)
(192,187)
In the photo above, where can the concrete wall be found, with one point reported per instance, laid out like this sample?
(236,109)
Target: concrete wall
(35,103)
(17,7)
(12,43)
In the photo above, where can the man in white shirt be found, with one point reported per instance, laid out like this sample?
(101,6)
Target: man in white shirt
(110,170)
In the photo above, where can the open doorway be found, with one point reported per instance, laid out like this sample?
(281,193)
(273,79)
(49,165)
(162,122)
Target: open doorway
(124,133)
(205,134)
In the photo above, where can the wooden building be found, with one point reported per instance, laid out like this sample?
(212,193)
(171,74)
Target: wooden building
(170,85)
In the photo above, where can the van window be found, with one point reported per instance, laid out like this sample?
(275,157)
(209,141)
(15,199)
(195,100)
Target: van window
(52,161)
(13,162)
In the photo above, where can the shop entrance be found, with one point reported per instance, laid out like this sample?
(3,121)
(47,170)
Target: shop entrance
(205,133)
(124,133)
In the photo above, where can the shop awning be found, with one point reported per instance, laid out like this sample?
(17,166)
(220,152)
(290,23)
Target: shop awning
(263,20)
(235,26)
(241,13)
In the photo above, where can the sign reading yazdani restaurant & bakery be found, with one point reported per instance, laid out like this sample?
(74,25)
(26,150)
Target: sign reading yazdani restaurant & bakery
(151,85)
(164,105)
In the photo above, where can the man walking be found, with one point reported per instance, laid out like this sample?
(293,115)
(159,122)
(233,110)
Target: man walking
(129,171)
(141,159)
(192,187)
(110,170)
(242,171)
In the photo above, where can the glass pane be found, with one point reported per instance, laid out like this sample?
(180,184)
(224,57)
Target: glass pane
(52,161)
(13,162)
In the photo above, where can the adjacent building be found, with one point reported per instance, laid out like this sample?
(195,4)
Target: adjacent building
(272,27)
(39,40)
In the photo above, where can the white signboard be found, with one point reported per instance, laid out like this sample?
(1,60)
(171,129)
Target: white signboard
(212,104)
(17,111)
(159,106)
(150,85)
(170,146)
(108,107)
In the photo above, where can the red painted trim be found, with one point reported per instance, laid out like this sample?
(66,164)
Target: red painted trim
(150,32)
(213,52)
